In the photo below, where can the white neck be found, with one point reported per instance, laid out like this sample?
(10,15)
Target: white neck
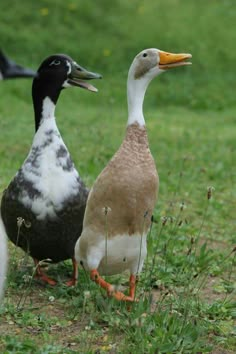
(47,122)
(48,111)
(135,95)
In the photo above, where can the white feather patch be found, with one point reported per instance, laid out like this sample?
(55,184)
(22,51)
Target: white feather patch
(46,168)
(115,255)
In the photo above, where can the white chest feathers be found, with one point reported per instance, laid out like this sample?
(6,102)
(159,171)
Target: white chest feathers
(113,256)
(48,178)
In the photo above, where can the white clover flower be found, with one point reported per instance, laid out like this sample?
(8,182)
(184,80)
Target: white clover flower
(51,298)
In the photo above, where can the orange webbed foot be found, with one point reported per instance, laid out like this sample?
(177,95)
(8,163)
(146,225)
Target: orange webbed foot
(45,279)
(39,274)
(118,295)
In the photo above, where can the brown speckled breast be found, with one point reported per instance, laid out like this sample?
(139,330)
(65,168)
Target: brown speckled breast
(124,195)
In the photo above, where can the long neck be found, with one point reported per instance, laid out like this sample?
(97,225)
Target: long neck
(44,99)
(48,111)
(135,95)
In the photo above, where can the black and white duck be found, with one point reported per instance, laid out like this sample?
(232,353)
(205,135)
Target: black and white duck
(10,70)
(43,206)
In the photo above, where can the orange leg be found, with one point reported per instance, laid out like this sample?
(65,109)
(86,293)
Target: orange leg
(41,275)
(110,289)
(132,285)
(73,281)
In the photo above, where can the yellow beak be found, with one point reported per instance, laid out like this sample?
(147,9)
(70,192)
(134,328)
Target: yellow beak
(171,60)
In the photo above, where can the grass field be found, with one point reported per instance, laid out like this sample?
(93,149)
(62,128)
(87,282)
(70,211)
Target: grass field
(187,290)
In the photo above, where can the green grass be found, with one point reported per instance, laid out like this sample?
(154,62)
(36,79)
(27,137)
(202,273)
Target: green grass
(106,37)
(187,288)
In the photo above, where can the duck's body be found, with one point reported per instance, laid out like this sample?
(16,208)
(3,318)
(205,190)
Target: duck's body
(48,193)
(43,207)
(10,70)
(121,202)
(120,205)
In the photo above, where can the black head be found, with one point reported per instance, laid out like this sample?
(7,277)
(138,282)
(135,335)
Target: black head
(57,72)
(10,70)
(61,71)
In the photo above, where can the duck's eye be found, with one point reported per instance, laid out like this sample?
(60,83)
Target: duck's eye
(55,62)
(144,55)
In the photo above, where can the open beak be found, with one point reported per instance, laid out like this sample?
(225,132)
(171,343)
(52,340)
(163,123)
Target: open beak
(78,74)
(171,60)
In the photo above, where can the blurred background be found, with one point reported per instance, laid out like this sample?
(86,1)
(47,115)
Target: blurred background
(106,35)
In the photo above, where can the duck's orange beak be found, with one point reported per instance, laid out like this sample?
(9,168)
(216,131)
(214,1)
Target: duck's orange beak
(171,60)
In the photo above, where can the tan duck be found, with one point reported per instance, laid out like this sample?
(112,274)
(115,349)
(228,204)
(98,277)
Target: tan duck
(121,202)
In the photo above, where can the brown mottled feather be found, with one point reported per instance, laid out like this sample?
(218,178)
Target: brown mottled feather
(128,187)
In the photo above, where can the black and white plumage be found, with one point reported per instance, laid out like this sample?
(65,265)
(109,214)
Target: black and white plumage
(47,193)
(10,70)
